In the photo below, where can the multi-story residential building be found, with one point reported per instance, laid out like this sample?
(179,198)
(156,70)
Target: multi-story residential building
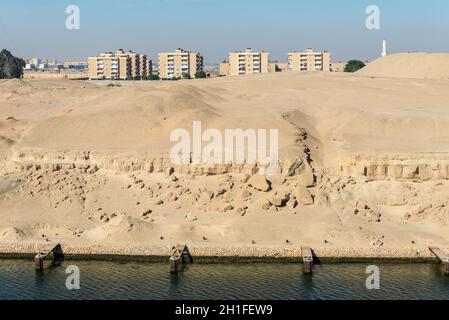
(309,60)
(146,66)
(246,62)
(107,66)
(134,63)
(120,65)
(179,64)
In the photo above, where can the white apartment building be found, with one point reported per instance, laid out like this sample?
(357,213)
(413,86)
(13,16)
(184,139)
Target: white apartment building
(246,62)
(309,60)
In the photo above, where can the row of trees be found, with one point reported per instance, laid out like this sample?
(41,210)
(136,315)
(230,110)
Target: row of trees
(198,75)
(10,66)
(149,77)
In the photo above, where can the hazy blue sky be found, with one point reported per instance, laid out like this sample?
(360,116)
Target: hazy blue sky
(37,27)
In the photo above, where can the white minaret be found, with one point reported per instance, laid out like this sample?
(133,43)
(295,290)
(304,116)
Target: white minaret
(384,48)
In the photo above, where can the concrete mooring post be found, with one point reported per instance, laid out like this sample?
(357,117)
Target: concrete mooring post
(58,256)
(181,254)
(446,266)
(174,265)
(39,262)
(307,258)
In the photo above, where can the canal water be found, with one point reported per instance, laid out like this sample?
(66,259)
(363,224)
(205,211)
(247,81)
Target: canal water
(152,281)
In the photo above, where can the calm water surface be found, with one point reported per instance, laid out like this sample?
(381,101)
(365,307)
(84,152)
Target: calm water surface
(132,280)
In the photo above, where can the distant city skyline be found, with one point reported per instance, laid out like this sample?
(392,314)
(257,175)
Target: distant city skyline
(215,27)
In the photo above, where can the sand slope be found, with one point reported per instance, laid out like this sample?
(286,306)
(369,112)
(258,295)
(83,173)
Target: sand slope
(409,65)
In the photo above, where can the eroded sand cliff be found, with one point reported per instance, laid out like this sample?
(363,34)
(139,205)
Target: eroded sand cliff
(363,163)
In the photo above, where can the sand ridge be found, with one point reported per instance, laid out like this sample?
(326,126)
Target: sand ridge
(416,65)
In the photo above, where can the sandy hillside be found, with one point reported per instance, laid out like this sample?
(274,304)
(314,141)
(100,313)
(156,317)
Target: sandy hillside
(409,65)
(364,163)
